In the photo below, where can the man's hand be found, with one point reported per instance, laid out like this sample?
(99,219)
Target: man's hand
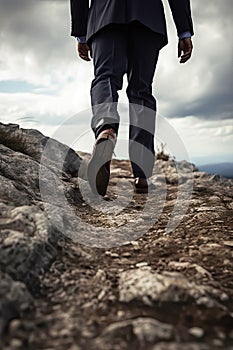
(185,46)
(83,51)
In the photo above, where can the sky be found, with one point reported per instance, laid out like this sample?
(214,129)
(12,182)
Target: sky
(45,85)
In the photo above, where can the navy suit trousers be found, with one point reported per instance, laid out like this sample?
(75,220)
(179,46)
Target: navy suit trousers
(131,49)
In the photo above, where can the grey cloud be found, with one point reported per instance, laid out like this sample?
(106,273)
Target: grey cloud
(214,9)
(211,65)
(214,101)
(43,28)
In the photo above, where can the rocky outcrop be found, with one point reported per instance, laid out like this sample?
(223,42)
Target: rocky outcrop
(124,272)
(32,143)
(28,243)
(28,240)
(171,287)
(15,300)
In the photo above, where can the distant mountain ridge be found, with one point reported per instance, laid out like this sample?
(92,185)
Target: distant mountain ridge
(224,169)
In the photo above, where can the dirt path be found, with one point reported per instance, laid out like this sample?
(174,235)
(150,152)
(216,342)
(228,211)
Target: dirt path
(83,302)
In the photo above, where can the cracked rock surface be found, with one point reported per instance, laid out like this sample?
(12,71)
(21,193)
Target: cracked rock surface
(146,272)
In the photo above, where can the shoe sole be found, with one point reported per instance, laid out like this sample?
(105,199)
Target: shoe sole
(144,190)
(141,190)
(97,173)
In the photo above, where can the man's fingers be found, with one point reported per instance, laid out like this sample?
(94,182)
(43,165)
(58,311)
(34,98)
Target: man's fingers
(85,58)
(83,51)
(188,51)
(185,46)
(185,58)
(179,51)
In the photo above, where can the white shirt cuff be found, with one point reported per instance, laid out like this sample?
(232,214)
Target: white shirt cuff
(185,35)
(81,39)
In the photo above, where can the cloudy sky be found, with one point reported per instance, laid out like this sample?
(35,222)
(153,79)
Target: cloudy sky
(44,85)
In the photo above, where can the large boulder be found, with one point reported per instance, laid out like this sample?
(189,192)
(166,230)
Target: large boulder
(28,239)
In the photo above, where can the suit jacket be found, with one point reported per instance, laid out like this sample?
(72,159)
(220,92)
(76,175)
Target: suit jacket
(86,21)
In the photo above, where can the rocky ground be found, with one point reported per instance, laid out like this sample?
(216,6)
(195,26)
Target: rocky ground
(124,272)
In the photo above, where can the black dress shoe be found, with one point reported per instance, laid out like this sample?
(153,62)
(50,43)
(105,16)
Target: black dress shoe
(142,185)
(98,169)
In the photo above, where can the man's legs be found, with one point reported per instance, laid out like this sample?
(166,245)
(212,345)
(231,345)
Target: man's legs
(143,51)
(109,49)
(109,52)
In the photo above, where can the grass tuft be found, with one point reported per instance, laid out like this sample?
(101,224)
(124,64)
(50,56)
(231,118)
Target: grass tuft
(162,154)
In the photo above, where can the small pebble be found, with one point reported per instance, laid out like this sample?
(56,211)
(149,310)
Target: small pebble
(228,243)
(65,332)
(16,343)
(53,333)
(126,255)
(226,262)
(197,332)
(14,325)
(120,313)
(114,255)
(74,347)
(101,294)
(224,297)
(136,248)
(141,264)
(218,342)
(134,243)
(221,335)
